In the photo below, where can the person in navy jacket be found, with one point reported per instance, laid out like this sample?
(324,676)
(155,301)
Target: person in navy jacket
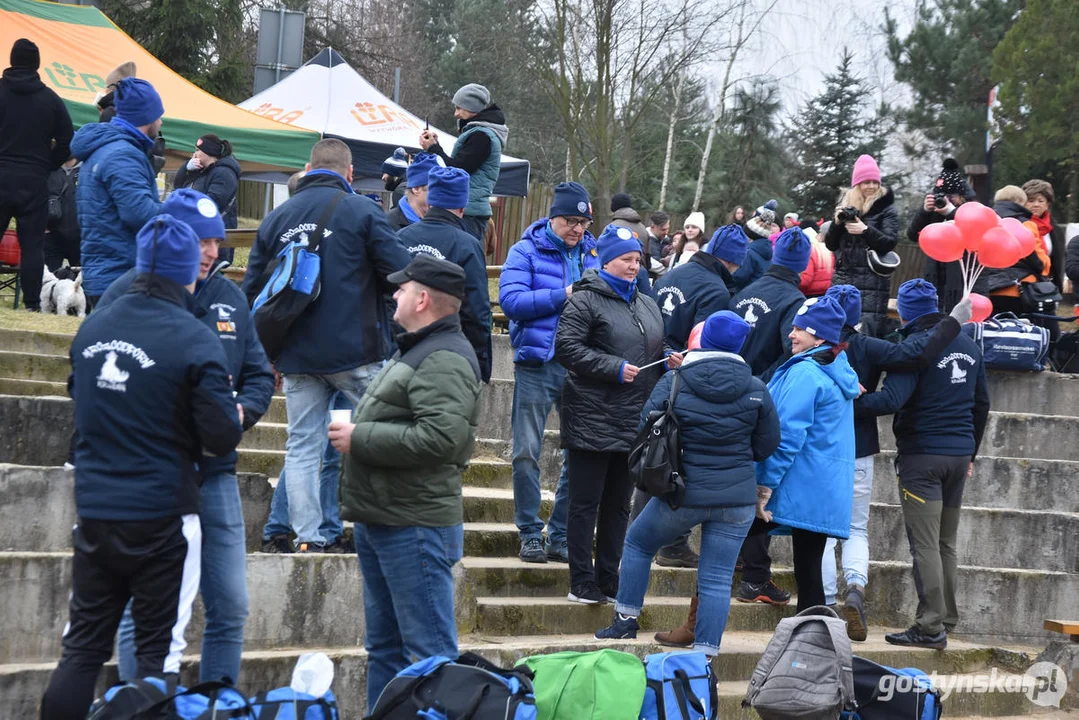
(759,229)
(940,417)
(440,234)
(341,339)
(223,309)
(152,402)
(537,279)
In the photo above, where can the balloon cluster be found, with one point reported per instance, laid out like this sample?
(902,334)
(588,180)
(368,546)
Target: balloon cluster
(978,238)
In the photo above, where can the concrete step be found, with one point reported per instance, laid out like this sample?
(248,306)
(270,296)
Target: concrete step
(32,341)
(1017,435)
(22,685)
(9,386)
(34,366)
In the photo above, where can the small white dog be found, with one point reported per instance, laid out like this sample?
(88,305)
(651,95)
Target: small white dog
(62,297)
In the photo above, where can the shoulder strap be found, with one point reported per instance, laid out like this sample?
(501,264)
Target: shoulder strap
(675,382)
(316,238)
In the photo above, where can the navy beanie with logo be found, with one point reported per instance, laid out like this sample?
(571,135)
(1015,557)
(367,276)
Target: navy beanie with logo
(729,243)
(421,165)
(724,330)
(821,317)
(170,248)
(792,250)
(917,297)
(570,200)
(850,299)
(137,102)
(616,241)
(197,210)
(447,188)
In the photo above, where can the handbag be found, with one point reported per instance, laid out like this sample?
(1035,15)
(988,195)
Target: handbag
(655,460)
(1038,296)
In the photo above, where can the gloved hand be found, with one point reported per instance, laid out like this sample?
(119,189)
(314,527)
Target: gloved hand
(764,494)
(963,311)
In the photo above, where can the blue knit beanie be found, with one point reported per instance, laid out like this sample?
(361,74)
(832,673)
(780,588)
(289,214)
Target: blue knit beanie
(724,330)
(570,200)
(396,165)
(615,242)
(821,317)
(729,243)
(170,248)
(197,210)
(137,102)
(421,165)
(916,298)
(792,250)
(447,188)
(850,299)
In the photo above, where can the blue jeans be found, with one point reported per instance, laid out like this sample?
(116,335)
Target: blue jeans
(535,391)
(308,399)
(407,597)
(331,527)
(223,585)
(856,547)
(722,532)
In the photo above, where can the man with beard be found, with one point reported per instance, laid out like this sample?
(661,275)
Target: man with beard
(478,151)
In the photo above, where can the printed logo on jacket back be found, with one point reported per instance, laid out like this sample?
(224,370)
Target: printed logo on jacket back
(672,297)
(751,309)
(958,373)
(111,376)
(427,250)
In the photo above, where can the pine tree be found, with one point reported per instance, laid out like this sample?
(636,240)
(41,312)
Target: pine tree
(828,135)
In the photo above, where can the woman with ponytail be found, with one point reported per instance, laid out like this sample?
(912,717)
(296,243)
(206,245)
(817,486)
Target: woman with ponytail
(213,170)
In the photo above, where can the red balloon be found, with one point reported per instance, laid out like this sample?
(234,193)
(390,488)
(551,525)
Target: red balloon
(999,249)
(982,308)
(974,220)
(942,241)
(695,336)
(1019,231)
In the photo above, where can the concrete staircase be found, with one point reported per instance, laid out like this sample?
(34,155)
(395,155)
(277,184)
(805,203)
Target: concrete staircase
(1019,544)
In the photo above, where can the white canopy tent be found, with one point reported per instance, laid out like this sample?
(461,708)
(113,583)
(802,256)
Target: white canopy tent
(328,96)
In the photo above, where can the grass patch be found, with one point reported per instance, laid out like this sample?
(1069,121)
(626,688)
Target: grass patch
(22,320)
(239,258)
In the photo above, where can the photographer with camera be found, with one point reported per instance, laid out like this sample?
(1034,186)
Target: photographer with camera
(863,235)
(950,190)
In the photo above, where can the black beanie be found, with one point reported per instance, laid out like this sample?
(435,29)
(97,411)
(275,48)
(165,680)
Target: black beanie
(621,200)
(953,182)
(24,54)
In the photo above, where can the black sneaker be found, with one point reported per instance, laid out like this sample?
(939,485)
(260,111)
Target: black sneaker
(854,613)
(610,592)
(914,637)
(532,551)
(621,628)
(587,594)
(279,544)
(767,592)
(311,548)
(683,557)
(338,547)
(558,554)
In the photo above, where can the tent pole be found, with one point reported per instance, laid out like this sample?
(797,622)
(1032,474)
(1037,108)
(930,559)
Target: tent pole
(266,200)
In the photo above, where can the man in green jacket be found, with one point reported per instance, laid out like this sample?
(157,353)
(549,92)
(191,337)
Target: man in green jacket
(402,459)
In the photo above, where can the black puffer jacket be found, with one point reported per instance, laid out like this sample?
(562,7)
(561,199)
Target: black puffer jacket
(597,332)
(220,181)
(852,267)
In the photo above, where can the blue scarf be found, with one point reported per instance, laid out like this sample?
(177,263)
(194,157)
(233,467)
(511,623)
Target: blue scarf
(340,179)
(410,214)
(143,139)
(624,288)
(571,256)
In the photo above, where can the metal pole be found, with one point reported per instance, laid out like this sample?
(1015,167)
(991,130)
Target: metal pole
(397,85)
(266,201)
(280,45)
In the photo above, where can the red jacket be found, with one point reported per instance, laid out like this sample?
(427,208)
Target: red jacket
(817,277)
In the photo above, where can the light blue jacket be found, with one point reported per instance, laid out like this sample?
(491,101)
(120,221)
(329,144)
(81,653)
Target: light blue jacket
(812,472)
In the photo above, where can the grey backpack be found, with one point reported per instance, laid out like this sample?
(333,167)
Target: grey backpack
(805,672)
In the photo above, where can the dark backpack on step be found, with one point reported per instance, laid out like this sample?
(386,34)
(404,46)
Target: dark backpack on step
(655,460)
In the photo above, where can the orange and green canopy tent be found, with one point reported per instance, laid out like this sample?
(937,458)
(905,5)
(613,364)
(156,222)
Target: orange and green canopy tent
(80,45)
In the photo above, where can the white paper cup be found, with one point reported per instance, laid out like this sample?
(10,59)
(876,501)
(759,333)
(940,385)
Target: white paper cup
(341,416)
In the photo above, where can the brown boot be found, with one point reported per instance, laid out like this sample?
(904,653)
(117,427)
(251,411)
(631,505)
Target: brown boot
(683,636)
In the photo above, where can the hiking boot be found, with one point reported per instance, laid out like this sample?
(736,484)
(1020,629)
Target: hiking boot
(558,554)
(854,613)
(914,637)
(621,628)
(532,551)
(767,592)
(682,557)
(310,548)
(681,636)
(278,544)
(338,547)
(587,594)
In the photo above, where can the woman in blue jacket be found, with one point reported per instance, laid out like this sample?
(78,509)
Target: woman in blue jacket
(806,487)
(727,421)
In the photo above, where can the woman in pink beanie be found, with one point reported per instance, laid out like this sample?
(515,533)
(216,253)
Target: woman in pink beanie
(865,219)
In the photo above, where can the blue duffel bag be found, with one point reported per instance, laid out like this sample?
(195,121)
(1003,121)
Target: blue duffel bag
(1009,343)
(681,686)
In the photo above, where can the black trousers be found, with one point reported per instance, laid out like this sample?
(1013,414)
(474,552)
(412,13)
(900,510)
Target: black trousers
(756,562)
(156,564)
(60,247)
(25,198)
(808,550)
(599,495)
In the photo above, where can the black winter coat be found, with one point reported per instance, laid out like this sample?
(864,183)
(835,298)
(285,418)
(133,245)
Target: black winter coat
(61,188)
(598,332)
(1072,267)
(35,128)
(852,265)
(220,181)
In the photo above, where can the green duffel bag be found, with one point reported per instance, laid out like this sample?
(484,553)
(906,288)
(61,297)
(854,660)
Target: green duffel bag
(599,685)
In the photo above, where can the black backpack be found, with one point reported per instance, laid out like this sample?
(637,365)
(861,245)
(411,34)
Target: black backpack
(655,460)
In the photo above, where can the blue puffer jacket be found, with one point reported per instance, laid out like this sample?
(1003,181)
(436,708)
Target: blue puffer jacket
(812,472)
(116,196)
(727,421)
(532,291)
(758,260)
